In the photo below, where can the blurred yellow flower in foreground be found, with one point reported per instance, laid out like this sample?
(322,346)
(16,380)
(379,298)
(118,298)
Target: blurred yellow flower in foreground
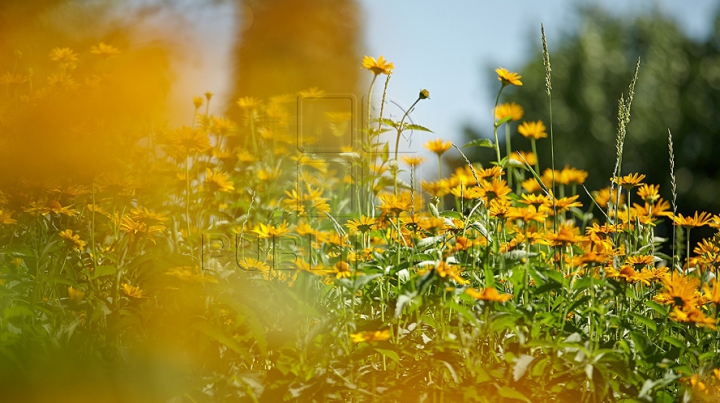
(533,130)
(488,294)
(370,336)
(511,109)
(133,291)
(75,295)
(104,50)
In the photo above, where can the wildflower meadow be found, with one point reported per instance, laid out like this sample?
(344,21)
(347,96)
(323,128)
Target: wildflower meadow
(297,254)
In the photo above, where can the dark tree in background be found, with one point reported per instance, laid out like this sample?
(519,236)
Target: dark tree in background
(678,88)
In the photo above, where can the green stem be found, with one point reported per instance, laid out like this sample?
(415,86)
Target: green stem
(495,126)
(508,147)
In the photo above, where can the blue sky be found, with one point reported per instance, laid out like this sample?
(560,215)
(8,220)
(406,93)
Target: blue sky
(450,48)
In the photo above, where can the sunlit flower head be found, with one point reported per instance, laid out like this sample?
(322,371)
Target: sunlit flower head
(381,66)
(511,109)
(217,181)
(133,291)
(698,220)
(533,130)
(413,160)
(438,146)
(629,181)
(507,77)
(104,50)
(488,294)
(371,337)
(65,56)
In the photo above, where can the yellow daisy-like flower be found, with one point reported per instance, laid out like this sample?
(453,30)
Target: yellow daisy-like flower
(381,66)
(698,220)
(363,224)
(75,294)
(524,156)
(488,294)
(78,244)
(438,146)
(342,270)
(534,130)
(649,193)
(63,55)
(511,109)
(198,102)
(267,231)
(370,336)
(133,291)
(507,77)
(413,161)
(248,103)
(218,181)
(630,181)
(104,50)
(6,218)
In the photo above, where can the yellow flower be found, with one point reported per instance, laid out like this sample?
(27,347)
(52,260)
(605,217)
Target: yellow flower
(133,291)
(488,294)
(446,270)
(65,56)
(218,181)
(680,290)
(570,176)
(413,161)
(511,109)
(342,270)
(438,146)
(267,231)
(649,193)
(603,196)
(630,181)
(253,264)
(75,294)
(198,102)
(78,244)
(424,94)
(13,78)
(248,103)
(370,336)
(695,221)
(6,218)
(528,157)
(507,77)
(104,50)
(381,66)
(364,224)
(534,130)
(188,140)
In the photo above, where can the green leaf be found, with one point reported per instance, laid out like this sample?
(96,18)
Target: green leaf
(657,307)
(674,341)
(480,143)
(645,321)
(503,120)
(513,394)
(462,311)
(102,271)
(418,128)
(389,354)
(217,334)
